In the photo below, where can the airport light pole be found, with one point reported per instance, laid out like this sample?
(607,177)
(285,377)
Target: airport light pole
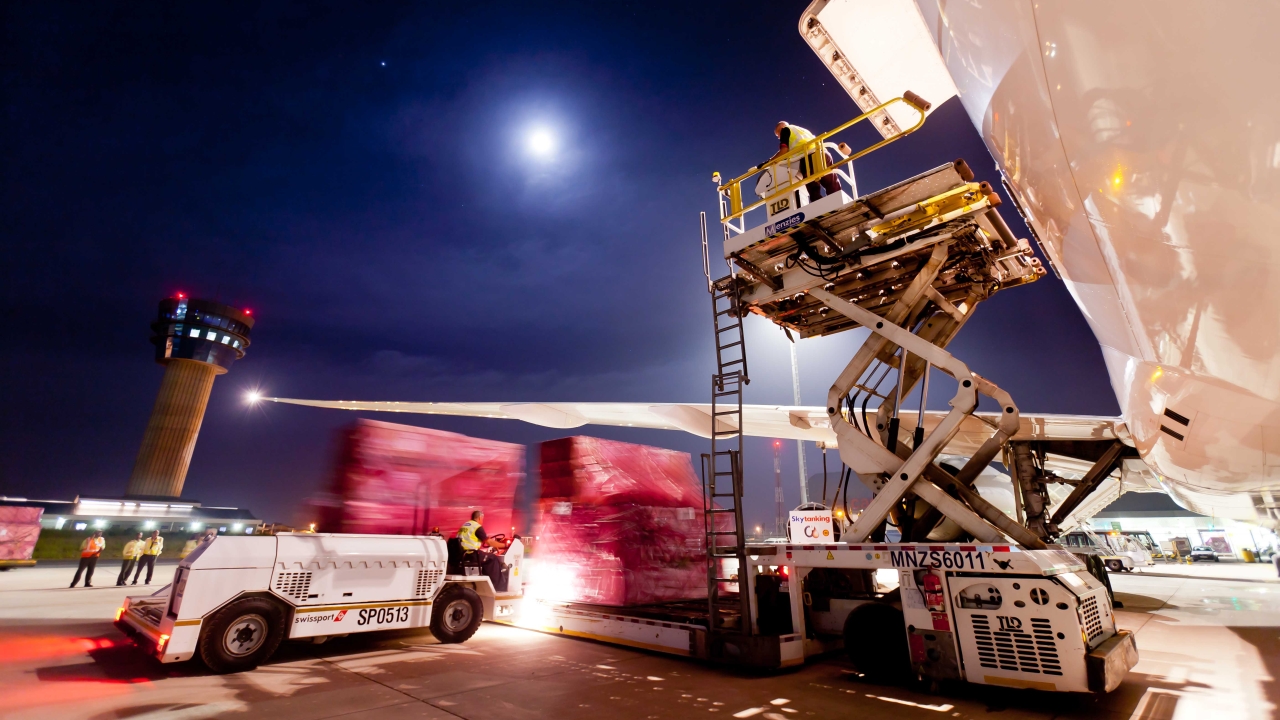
(780,516)
(795,392)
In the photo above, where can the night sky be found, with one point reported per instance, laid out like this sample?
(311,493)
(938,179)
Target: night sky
(360,176)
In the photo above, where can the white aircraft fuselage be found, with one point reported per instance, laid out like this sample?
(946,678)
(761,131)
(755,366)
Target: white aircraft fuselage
(1141,141)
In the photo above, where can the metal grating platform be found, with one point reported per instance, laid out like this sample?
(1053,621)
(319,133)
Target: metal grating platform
(867,250)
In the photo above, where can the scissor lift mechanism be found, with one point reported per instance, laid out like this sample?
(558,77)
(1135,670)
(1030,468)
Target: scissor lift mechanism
(909,263)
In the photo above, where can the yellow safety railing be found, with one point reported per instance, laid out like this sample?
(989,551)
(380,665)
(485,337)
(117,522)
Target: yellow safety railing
(731,192)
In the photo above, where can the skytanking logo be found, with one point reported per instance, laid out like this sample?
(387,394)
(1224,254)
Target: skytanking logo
(784,224)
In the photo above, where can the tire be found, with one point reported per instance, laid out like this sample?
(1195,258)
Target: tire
(875,636)
(1115,565)
(456,614)
(242,635)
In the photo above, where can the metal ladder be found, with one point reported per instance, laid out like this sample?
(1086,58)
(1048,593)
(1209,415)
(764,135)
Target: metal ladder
(722,468)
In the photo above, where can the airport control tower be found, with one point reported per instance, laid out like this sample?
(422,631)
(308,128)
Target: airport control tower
(196,340)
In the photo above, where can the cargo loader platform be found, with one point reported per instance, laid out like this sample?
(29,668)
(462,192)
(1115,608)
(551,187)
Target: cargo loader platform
(980,597)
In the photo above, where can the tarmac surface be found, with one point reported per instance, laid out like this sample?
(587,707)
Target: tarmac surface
(1210,648)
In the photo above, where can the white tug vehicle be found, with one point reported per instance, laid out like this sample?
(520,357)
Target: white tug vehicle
(234,599)
(980,597)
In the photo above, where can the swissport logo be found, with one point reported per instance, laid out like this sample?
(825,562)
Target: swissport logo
(341,614)
(785,223)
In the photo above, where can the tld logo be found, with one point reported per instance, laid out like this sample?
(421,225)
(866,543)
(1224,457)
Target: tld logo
(1009,623)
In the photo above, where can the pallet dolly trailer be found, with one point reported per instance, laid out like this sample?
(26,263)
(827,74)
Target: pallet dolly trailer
(235,598)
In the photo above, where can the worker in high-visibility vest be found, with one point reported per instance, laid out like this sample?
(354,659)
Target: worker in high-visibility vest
(90,549)
(474,539)
(151,550)
(192,544)
(792,137)
(132,551)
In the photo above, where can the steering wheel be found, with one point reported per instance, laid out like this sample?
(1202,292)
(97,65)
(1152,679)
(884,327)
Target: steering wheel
(501,539)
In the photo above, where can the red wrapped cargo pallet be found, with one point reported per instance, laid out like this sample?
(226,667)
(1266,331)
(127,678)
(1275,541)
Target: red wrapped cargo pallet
(621,524)
(19,531)
(406,480)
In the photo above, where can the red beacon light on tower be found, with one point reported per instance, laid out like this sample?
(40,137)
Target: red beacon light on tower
(181,296)
(247,311)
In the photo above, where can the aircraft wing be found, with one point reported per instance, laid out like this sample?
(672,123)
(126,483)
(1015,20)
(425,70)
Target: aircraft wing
(773,421)
(810,423)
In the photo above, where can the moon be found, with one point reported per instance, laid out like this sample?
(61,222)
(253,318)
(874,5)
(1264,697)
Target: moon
(542,142)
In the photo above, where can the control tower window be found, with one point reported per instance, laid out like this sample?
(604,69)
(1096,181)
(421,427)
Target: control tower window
(195,332)
(211,335)
(226,339)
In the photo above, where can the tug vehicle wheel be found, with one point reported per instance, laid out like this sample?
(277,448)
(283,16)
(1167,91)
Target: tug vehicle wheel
(875,636)
(241,635)
(1115,565)
(456,614)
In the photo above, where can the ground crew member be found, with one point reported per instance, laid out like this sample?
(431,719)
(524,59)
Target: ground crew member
(132,551)
(790,137)
(151,550)
(191,545)
(473,538)
(90,549)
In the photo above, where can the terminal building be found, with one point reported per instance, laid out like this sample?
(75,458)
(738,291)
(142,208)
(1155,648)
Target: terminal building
(116,515)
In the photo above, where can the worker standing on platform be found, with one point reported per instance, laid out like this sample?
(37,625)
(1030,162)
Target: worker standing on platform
(473,539)
(790,137)
(132,551)
(90,549)
(151,550)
